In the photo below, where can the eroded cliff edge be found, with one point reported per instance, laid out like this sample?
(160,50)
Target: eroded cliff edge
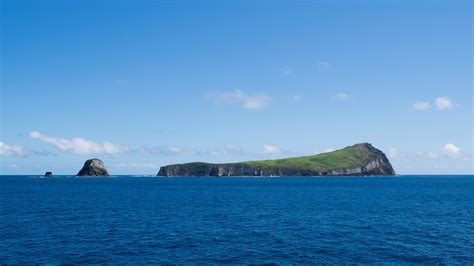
(358,159)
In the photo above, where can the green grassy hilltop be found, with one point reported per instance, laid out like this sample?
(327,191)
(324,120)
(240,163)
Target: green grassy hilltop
(349,157)
(358,159)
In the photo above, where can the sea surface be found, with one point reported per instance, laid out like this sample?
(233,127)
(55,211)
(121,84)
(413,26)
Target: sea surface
(137,219)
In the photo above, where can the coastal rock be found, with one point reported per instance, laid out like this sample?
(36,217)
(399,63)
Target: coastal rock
(359,159)
(93,167)
(48,174)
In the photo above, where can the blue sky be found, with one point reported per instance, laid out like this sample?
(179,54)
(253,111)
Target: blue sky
(142,84)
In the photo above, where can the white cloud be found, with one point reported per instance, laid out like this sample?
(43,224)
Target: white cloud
(341,96)
(422,106)
(229,149)
(256,102)
(430,154)
(215,152)
(79,145)
(443,103)
(393,153)
(269,149)
(174,149)
(13,150)
(452,150)
(232,149)
(18,150)
(240,98)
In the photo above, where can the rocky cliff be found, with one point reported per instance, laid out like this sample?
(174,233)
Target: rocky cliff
(93,167)
(359,159)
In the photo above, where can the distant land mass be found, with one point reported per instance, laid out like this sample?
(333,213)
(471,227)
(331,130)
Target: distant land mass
(359,159)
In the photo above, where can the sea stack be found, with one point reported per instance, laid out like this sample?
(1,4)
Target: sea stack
(48,174)
(93,167)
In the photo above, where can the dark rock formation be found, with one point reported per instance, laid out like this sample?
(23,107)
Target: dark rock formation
(360,159)
(48,174)
(93,167)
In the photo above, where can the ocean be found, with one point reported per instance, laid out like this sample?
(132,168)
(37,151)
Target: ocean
(334,220)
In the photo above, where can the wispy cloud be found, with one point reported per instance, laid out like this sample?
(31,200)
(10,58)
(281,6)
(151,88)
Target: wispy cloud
(451,150)
(432,155)
(13,166)
(13,150)
(422,106)
(18,150)
(270,149)
(79,145)
(340,96)
(441,103)
(240,98)
(228,149)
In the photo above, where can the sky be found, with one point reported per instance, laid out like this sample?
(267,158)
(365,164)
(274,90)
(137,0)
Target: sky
(142,84)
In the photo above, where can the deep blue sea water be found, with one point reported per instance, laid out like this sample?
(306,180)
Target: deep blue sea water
(128,220)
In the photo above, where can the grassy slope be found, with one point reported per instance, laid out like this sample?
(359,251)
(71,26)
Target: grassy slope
(349,157)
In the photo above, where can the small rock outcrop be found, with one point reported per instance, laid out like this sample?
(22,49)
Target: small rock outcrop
(48,174)
(93,167)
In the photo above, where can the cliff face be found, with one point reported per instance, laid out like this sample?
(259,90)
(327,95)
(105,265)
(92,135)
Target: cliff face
(93,167)
(359,159)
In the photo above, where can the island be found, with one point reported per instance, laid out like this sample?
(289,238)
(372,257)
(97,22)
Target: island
(48,174)
(357,160)
(93,167)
